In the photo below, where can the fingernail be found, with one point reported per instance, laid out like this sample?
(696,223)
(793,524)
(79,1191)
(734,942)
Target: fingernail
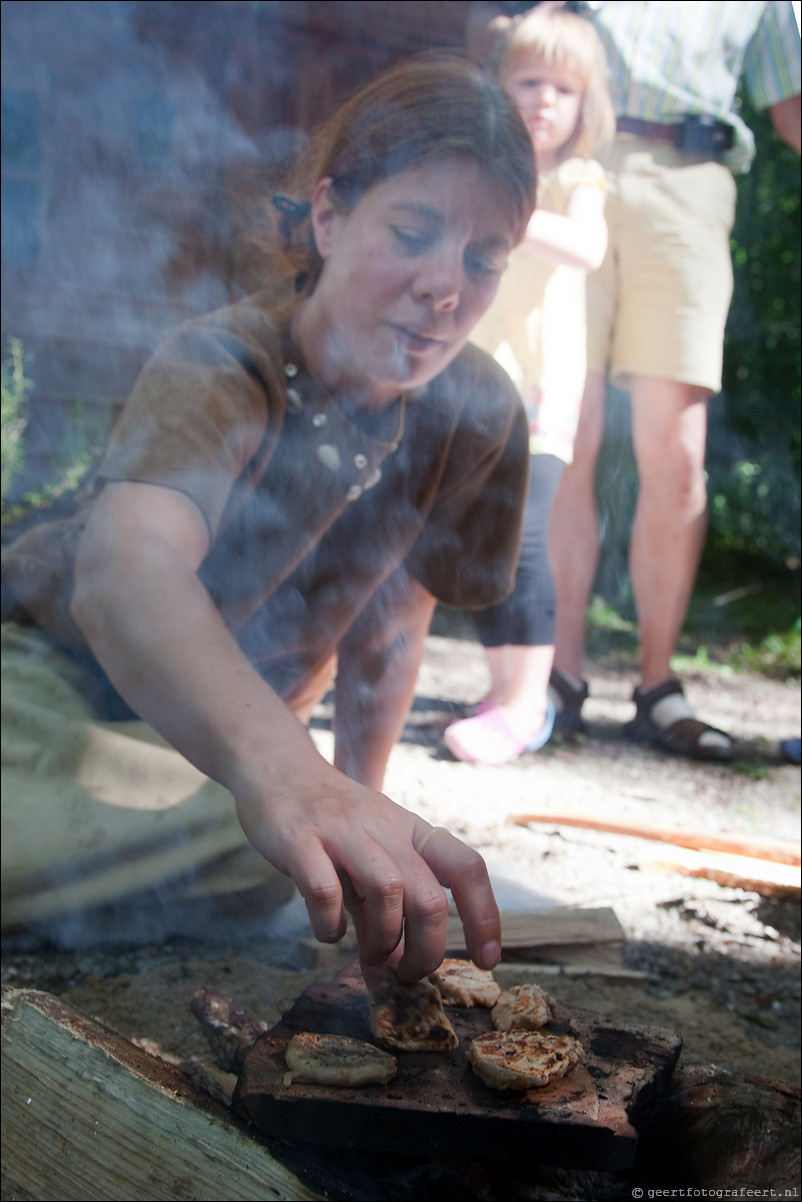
(491,954)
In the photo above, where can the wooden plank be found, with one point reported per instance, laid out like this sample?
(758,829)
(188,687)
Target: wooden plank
(89,1117)
(516,972)
(550,935)
(563,927)
(734,872)
(778,851)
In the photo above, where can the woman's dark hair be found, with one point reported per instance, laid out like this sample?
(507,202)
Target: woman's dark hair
(434,106)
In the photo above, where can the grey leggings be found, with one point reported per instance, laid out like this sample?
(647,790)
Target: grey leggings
(526,617)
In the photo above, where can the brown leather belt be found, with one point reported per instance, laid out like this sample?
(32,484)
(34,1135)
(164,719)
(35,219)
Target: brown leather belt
(653,131)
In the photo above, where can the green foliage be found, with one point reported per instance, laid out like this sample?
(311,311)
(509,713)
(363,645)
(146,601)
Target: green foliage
(15,388)
(753,771)
(602,616)
(754,458)
(777,654)
(78,450)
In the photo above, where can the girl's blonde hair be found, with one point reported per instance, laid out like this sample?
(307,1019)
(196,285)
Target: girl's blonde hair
(565,38)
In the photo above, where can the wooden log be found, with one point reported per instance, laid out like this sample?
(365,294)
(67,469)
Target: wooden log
(778,851)
(229,1030)
(717,1126)
(87,1116)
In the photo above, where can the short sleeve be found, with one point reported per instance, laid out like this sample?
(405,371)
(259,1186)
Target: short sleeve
(582,173)
(467,554)
(772,60)
(199,412)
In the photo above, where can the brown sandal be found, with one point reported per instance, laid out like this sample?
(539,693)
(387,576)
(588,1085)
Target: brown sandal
(681,737)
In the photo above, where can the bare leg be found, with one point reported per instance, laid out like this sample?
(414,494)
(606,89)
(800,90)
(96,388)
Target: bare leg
(500,667)
(574,540)
(669,425)
(312,690)
(520,685)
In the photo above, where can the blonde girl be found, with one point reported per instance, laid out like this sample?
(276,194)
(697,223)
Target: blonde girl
(553,67)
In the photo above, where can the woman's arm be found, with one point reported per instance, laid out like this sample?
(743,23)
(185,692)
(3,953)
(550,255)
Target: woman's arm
(377,668)
(578,239)
(155,630)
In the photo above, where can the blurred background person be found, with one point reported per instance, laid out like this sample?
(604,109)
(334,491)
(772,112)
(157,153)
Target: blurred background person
(656,316)
(552,65)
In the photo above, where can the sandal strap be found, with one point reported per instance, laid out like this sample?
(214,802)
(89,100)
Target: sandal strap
(572,697)
(646,698)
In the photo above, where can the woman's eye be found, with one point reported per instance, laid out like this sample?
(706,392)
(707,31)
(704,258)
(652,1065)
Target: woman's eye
(482,266)
(412,240)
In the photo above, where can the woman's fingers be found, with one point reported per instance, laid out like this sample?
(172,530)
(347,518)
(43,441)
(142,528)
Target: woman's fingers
(319,884)
(462,870)
(398,895)
(388,869)
(403,894)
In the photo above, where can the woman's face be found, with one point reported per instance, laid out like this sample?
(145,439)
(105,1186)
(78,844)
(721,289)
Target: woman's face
(406,275)
(549,98)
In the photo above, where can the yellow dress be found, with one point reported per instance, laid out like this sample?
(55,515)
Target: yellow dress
(536,328)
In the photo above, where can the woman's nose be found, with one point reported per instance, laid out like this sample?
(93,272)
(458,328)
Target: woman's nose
(440,282)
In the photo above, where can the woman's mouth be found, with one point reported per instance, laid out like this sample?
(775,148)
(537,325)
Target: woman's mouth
(417,342)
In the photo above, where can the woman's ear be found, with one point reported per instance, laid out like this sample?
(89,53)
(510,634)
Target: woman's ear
(322,213)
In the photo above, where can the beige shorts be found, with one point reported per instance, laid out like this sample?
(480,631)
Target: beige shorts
(658,304)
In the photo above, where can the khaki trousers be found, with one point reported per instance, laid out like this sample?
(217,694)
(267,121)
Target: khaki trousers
(100,813)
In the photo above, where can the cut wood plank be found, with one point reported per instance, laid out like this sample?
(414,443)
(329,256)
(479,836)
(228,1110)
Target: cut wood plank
(527,930)
(88,1116)
(735,872)
(778,851)
(563,935)
(516,972)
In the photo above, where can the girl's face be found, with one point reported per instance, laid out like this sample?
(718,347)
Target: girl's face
(407,274)
(549,98)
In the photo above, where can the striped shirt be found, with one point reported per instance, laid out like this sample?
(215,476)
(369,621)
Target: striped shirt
(669,60)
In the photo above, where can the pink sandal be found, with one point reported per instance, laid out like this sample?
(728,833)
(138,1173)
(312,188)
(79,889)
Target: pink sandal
(488,738)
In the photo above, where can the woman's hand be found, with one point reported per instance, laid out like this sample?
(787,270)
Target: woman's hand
(349,849)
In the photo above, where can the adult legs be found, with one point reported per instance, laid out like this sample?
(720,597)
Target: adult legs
(669,426)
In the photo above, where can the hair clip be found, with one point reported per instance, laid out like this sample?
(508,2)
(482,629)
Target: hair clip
(289,207)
